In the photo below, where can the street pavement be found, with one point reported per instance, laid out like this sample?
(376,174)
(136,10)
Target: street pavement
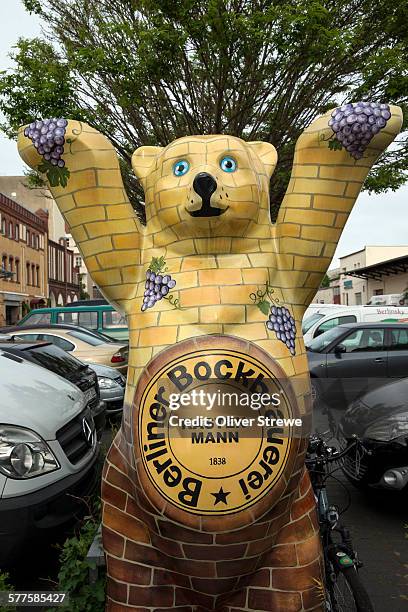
(376,521)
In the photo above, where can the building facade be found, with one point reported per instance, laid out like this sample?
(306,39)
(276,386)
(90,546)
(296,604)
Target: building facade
(24,261)
(63,278)
(15,187)
(374,270)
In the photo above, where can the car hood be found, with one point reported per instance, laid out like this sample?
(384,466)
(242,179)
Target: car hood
(35,398)
(387,400)
(102,370)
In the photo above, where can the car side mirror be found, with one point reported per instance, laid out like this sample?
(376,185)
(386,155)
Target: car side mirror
(339,349)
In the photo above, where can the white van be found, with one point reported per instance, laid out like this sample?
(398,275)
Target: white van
(391,299)
(352,314)
(48,453)
(316,311)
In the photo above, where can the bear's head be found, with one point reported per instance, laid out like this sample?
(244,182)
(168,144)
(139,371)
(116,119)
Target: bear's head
(201,186)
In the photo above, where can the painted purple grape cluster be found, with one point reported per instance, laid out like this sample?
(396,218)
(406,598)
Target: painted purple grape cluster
(283,324)
(156,288)
(48,137)
(356,124)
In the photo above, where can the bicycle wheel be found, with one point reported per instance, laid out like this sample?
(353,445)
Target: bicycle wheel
(347,594)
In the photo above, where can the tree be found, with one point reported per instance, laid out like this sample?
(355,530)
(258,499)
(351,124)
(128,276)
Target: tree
(325,282)
(146,72)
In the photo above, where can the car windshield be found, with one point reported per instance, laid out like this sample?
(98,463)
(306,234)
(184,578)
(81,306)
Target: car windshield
(56,360)
(92,340)
(309,321)
(317,345)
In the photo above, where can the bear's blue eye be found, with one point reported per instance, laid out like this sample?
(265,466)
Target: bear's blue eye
(228,164)
(181,167)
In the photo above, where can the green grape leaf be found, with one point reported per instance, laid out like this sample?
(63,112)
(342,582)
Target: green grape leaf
(55,175)
(264,306)
(335,145)
(157,264)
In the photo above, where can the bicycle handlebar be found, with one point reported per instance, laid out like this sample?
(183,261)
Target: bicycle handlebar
(326,458)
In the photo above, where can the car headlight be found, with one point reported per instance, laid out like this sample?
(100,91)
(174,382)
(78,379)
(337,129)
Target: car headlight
(392,427)
(106,383)
(24,454)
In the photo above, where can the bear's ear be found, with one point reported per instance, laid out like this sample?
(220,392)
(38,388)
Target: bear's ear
(266,153)
(142,159)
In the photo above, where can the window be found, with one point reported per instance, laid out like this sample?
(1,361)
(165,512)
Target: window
(33,241)
(309,321)
(399,340)
(88,319)
(11,233)
(39,318)
(67,317)
(4,263)
(78,261)
(28,274)
(111,319)
(16,231)
(37,275)
(11,268)
(33,274)
(358,298)
(28,238)
(3,227)
(27,337)
(330,323)
(363,340)
(17,270)
(92,340)
(37,242)
(58,341)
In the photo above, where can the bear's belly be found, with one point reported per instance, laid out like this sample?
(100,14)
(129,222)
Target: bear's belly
(216,433)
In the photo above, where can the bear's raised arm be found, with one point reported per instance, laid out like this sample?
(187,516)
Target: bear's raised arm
(326,181)
(92,200)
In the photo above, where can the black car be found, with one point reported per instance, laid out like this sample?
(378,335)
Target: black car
(380,419)
(355,358)
(60,362)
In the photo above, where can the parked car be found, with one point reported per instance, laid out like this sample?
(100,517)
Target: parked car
(48,454)
(99,317)
(8,329)
(86,347)
(58,361)
(380,419)
(350,360)
(112,388)
(354,314)
(316,312)
(390,299)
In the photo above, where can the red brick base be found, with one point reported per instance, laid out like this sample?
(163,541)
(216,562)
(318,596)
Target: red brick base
(156,563)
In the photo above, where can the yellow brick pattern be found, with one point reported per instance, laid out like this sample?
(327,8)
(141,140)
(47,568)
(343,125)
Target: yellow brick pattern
(219,263)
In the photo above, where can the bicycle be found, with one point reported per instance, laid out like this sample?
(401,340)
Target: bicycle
(344,590)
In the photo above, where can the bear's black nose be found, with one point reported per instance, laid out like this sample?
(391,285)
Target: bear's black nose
(204,184)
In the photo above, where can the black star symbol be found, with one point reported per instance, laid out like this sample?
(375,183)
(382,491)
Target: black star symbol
(221,496)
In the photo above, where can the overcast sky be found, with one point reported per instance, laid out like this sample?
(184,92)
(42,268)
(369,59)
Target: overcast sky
(379,220)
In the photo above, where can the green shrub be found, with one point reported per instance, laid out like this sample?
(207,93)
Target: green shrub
(73,575)
(5,586)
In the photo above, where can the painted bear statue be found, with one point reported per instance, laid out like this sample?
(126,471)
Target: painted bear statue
(207,504)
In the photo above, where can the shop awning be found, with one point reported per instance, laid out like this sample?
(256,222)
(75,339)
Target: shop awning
(391,267)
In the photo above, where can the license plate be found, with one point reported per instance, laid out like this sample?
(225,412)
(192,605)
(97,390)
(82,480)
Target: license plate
(90,394)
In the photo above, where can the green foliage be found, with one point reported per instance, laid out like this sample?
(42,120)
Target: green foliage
(73,576)
(55,175)
(5,586)
(158,265)
(264,306)
(147,72)
(325,281)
